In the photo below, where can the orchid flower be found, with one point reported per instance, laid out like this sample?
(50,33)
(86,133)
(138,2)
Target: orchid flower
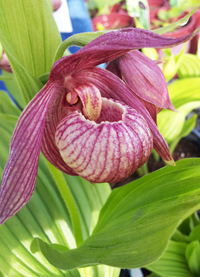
(96,123)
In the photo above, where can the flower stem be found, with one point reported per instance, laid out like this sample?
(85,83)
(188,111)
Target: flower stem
(78,40)
(69,202)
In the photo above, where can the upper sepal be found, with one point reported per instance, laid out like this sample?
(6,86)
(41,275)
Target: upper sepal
(111,45)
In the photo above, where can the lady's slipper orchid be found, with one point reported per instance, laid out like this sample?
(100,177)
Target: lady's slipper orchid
(93,122)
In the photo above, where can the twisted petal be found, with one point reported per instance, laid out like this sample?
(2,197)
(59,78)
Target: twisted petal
(20,173)
(112,87)
(145,79)
(108,150)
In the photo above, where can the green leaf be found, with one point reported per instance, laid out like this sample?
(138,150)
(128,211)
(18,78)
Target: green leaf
(13,88)
(172,26)
(30,37)
(189,67)
(1,51)
(184,91)
(7,106)
(192,254)
(31,32)
(178,236)
(131,231)
(46,216)
(185,97)
(4,78)
(195,234)
(69,201)
(173,262)
(188,126)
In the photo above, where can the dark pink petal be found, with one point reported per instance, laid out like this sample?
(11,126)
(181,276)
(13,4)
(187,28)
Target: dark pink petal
(111,86)
(20,173)
(108,150)
(109,46)
(145,79)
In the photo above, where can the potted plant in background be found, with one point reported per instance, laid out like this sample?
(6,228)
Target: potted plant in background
(107,15)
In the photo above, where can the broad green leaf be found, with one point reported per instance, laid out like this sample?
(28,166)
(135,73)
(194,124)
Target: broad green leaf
(70,203)
(131,232)
(172,26)
(46,216)
(195,234)
(28,28)
(171,124)
(184,91)
(13,88)
(169,68)
(4,78)
(179,237)
(192,254)
(188,126)
(30,37)
(1,51)
(150,53)
(7,106)
(185,97)
(189,67)
(154,275)
(173,262)
(172,62)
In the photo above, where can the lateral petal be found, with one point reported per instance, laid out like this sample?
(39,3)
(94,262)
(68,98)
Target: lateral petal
(20,173)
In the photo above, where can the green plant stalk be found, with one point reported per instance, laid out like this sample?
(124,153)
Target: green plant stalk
(143,170)
(77,40)
(69,201)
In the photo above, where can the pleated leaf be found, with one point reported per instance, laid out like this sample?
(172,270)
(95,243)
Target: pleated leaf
(131,231)
(46,216)
(13,88)
(7,106)
(173,262)
(30,37)
(195,233)
(185,97)
(189,66)
(192,254)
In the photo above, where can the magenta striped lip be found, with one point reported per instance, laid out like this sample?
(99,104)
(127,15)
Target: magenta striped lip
(108,150)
